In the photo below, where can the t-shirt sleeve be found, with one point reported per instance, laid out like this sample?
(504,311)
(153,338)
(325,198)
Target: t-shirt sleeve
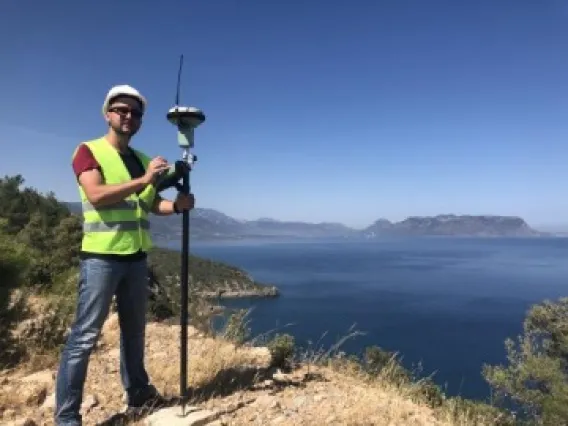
(84,160)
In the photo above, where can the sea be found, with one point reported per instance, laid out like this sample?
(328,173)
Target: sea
(444,304)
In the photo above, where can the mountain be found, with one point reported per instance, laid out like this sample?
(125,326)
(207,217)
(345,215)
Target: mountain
(454,225)
(204,223)
(210,224)
(276,228)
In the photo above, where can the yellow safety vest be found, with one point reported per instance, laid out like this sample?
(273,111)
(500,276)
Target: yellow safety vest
(121,228)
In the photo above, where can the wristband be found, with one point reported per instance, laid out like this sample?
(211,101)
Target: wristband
(176,209)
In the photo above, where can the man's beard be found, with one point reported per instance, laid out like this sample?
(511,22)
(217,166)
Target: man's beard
(125,133)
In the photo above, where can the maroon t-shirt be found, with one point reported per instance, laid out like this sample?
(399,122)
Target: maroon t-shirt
(84,161)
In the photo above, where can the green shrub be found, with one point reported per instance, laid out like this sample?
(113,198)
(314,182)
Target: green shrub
(13,266)
(236,328)
(536,376)
(378,362)
(281,347)
(46,332)
(469,412)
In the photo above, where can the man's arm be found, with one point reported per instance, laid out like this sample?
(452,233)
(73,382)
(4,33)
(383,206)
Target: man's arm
(88,173)
(100,194)
(162,207)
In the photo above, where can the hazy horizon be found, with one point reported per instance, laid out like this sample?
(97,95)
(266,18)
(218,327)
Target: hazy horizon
(545,228)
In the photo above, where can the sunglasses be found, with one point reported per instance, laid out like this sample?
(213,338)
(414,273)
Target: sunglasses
(123,111)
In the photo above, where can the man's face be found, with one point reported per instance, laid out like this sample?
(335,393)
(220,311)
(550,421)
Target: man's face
(124,116)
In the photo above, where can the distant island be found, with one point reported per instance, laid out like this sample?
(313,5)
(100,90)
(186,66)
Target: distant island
(454,225)
(210,224)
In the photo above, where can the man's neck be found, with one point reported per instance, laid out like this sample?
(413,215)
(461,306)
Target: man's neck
(119,142)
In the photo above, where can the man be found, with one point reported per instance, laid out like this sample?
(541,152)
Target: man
(117,188)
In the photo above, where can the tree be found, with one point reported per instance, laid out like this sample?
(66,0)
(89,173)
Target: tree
(13,263)
(66,243)
(536,377)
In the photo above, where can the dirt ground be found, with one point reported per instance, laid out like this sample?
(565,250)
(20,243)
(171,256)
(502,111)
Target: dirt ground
(233,386)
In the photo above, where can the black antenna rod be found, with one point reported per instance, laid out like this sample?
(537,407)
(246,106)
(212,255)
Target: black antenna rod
(179,79)
(184,273)
(186,120)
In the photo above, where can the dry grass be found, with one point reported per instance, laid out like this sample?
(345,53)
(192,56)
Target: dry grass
(421,393)
(208,358)
(352,399)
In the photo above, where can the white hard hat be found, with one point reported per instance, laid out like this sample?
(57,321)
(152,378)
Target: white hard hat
(123,90)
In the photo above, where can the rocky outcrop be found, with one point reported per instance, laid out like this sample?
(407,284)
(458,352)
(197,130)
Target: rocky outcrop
(265,292)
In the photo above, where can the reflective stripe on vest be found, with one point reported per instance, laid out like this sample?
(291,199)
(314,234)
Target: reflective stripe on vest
(123,227)
(122,205)
(117,226)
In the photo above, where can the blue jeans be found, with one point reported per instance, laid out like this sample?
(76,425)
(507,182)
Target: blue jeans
(99,280)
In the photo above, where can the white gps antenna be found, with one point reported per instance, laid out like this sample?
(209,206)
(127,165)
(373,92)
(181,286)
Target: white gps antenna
(186,119)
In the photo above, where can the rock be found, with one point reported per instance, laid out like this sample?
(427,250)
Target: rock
(260,356)
(26,421)
(49,403)
(299,401)
(264,401)
(279,419)
(319,398)
(173,416)
(45,377)
(113,354)
(331,419)
(111,369)
(34,394)
(32,389)
(265,384)
(283,378)
(9,414)
(234,406)
(89,402)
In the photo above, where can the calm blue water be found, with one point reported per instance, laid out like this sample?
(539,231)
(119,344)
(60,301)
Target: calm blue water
(448,303)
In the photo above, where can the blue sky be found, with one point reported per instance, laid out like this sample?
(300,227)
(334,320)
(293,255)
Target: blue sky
(316,110)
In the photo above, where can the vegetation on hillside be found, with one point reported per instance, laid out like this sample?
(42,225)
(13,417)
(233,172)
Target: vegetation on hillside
(206,275)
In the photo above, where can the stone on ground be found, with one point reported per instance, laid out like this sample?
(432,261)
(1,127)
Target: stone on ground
(172,416)
(21,422)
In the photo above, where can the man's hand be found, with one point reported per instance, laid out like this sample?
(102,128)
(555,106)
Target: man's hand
(184,202)
(157,166)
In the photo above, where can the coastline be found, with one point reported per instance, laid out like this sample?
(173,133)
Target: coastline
(268,292)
